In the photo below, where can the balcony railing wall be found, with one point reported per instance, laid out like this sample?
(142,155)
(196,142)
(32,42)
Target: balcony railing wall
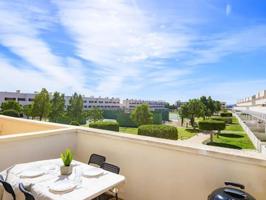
(154,168)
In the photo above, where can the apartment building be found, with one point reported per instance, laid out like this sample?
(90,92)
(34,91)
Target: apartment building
(106,103)
(22,98)
(89,102)
(98,102)
(130,104)
(258,99)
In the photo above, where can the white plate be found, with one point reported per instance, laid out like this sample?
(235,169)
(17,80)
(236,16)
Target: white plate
(93,172)
(62,186)
(31,173)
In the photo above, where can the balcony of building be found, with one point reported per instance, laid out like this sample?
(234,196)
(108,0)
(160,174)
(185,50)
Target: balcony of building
(154,168)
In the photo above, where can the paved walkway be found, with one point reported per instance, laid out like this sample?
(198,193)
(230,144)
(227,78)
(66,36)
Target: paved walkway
(199,138)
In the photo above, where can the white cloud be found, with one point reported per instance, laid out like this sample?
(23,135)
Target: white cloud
(230,91)
(131,49)
(117,36)
(228,9)
(216,47)
(13,78)
(21,36)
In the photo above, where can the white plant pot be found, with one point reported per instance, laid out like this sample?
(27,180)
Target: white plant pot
(66,170)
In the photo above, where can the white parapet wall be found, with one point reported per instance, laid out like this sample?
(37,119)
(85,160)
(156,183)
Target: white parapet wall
(155,169)
(162,169)
(27,147)
(255,141)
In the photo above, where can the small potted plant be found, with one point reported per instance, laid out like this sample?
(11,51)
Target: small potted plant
(67,158)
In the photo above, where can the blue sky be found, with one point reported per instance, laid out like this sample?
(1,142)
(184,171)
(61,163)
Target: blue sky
(146,49)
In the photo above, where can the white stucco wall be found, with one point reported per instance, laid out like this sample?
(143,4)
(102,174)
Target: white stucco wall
(161,169)
(155,169)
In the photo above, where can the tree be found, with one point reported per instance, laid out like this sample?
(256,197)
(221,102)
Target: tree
(75,108)
(211,106)
(57,107)
(170,107)
(27,110)
(183,112)
(207,111)
(11,105)
(193,108)
(41,105)
(141,115)
(217,106)
(94,114)
(210,126)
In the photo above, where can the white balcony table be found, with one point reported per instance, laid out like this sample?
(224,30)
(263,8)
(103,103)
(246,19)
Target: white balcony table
(86,187)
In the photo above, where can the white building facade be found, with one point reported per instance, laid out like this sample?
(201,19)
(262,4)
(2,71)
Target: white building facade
(256,100)
(21,98)
(89,102)
(130,104)
(104,103)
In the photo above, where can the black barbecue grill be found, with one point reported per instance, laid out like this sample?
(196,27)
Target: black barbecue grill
(230,193)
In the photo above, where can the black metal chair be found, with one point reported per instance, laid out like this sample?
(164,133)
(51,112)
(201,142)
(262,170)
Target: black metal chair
(96,159)
(110,167)
(27,194)
(114,192)
(8,188)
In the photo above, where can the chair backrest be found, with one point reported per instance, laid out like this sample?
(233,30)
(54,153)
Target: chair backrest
(96,159)
(27,194)
(110,167)
(8,188)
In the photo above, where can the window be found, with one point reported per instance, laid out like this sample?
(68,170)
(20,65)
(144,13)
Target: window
(30,99)
(21,99)
(10,99)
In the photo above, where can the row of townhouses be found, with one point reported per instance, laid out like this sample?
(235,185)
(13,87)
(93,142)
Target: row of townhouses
(89,102)
(258,99)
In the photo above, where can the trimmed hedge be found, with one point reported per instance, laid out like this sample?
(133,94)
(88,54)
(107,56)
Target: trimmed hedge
(226,114)
(209,125)
(124,120)
(165,114)
(159,131)
(227,120)
(111,114)
(74,123)
(111,126)
(11,113)
(157,118)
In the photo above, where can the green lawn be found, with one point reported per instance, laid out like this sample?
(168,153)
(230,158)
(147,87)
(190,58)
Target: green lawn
(128,130)
(186,133)
(235,126)
(183,133)
(232,137)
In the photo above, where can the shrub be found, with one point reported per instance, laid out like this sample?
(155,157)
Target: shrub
(124,120)
(159,131)
(112,126)
(210,125)
(141,115)
(227,120)
(226,114)
(74,123)
(11,113)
